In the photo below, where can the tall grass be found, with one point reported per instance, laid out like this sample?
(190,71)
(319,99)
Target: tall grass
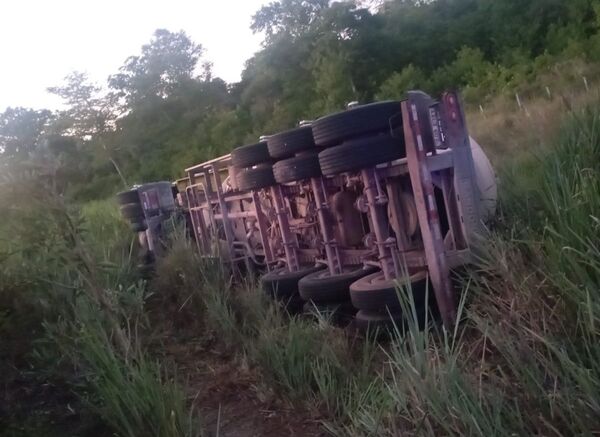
(134,396)
(515,134)
(525,358)
(73,267)
(132,391)
(561,243)
(307,362)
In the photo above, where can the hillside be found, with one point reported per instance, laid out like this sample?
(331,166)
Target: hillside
(164,110)
(89,347)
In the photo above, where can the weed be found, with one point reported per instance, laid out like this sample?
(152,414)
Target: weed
(135,396)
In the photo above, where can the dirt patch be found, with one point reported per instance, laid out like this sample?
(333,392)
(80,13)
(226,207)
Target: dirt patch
(230,399)
(31,405)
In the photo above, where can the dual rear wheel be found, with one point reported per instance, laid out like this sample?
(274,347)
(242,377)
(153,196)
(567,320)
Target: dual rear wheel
(351,140)
(381,303)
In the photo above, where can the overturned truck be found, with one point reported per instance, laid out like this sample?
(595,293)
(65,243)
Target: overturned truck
(351,212)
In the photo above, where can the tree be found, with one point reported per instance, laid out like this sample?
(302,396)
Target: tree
(21,133)
(169,60)
(290,18)
(80,131)
(349,45)
(396,86)
(88,111)
(164,109)
(28,149)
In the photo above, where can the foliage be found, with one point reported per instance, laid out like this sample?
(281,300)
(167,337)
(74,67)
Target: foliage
(164,110)
(525,359)
(21,132)
(135,397)
(165,64)
(68,283)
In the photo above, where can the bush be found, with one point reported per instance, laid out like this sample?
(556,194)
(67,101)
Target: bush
(68,280)
(396,86)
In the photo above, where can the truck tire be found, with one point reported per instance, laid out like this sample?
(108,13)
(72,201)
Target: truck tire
(130,196)
(373,293)
(256,178)
(386,323)
(286,144)
(297,168)
(379,324)
(362,120)
(132,211)
(282,284)
(249,155)
(360,154)
(320,287)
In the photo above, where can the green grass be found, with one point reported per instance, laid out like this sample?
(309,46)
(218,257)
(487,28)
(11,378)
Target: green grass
(525,359)
(87,319)
(134,396)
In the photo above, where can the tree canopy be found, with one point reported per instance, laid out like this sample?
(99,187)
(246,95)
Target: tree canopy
(164,109)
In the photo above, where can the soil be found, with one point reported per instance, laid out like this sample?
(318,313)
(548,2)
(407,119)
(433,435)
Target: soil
(230,399)
(33,406)
(225,394)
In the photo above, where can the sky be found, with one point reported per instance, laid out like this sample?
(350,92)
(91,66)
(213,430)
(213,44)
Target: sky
(41,41)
